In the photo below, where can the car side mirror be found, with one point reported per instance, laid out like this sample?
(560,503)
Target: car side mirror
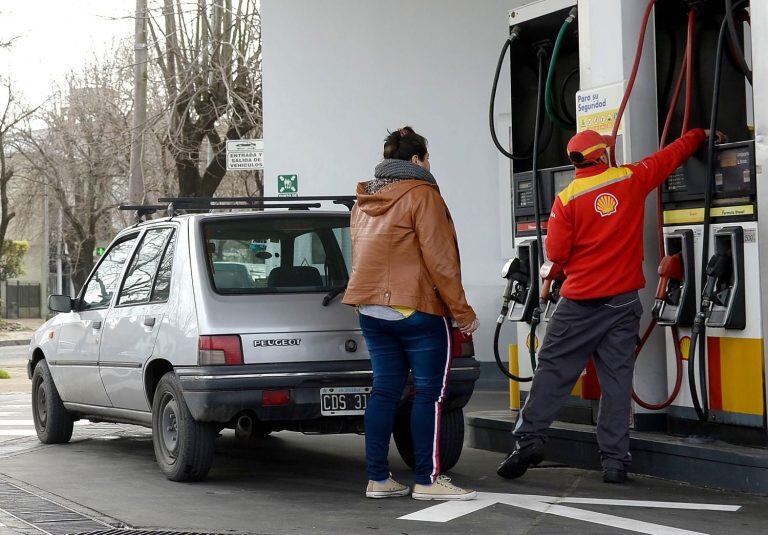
(60,303)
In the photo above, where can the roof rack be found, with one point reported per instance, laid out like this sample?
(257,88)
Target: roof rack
(172,204)
(260,202)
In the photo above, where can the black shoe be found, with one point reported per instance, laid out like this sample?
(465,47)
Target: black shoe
(614,475)
(517,463)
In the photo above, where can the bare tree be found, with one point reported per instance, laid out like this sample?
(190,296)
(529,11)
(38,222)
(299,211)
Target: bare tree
(81,153)
(209,58)
(14,113)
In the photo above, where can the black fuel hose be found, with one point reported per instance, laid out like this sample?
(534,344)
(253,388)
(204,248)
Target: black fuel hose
(733,41)
(496,354)
(698,334)
(513,35)
(541,56)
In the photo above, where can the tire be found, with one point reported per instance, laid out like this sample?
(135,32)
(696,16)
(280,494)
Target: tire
(184,447)
(53,422)
(451,438)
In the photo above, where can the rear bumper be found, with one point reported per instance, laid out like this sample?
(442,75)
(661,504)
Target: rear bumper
(219,393)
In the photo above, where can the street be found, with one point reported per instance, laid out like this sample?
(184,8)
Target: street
(291,483)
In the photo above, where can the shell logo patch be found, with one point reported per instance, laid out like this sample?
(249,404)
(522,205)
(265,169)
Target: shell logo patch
(535,342)
(685,346)
(606,204)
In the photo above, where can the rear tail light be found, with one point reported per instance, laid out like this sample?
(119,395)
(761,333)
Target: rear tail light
(461,344)
(220,350)
(275,397)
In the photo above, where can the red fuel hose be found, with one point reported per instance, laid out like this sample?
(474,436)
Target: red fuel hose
(689,70)
(686,70)
(632,76)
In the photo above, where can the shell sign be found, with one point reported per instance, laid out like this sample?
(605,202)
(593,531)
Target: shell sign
(535,343)
(685,346)
(606,204)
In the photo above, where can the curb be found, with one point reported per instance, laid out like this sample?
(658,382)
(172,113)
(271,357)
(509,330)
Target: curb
(716,465)
(9,343)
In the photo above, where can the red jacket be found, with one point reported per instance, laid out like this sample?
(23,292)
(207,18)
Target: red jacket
(595,231)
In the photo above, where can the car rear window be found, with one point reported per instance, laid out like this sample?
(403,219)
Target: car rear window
(296,254)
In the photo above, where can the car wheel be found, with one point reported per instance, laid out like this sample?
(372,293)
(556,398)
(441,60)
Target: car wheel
(184,447)
(451,438)
(53,422)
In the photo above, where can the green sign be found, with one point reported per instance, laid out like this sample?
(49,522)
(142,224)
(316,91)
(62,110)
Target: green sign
(288,185)
(100,251)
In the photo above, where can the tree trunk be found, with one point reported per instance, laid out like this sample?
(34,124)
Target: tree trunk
(189,178)
(83,262)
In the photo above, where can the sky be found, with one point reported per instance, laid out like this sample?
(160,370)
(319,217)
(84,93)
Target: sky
(56,36)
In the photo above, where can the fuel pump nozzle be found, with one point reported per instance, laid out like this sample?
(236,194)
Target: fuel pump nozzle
(551,274)
(518,278)
(670,269)
(719,268)
(512,272)
(553,277)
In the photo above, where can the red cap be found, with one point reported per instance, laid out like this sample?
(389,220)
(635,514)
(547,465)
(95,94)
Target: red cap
(588,146)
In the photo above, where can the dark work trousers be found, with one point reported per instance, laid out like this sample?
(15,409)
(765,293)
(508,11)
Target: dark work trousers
(606,329)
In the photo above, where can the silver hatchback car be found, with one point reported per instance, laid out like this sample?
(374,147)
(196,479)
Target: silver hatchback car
(195,323)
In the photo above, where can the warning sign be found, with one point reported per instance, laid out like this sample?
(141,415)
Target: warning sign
(245,154)
(287,185)
(597,108)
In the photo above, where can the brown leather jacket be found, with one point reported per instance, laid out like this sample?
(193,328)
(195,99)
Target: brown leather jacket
(405,252)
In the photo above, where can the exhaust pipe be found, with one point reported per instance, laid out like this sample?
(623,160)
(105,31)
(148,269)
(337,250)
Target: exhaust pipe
(244,425)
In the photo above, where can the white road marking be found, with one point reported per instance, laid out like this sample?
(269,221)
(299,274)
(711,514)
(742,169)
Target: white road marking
(32,422)
(447,511)
(18,433)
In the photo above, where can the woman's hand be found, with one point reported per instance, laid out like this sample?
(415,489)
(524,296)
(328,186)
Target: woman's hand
(470,328)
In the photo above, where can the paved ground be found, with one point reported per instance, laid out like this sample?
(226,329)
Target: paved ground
(290,483)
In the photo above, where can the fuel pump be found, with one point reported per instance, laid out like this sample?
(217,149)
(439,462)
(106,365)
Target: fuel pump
(709,209)
(534,185)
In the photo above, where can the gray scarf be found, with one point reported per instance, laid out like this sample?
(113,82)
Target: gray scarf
(390,171)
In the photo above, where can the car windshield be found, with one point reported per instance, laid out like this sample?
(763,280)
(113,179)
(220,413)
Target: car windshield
(265,254)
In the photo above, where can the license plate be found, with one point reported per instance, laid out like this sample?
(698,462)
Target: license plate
(344,401)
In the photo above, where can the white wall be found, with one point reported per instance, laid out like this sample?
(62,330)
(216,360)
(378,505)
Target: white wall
(339,73)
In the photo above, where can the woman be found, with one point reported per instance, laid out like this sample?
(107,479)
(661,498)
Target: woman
(406,283)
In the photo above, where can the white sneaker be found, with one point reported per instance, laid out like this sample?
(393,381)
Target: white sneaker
(387,489)
(442,489)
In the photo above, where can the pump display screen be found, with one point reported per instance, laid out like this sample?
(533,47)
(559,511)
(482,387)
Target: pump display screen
(562,179)
(524,193)
(734,172)
(733,176)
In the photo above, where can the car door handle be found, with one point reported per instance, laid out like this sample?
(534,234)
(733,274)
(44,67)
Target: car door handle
(149,322)
(96,325)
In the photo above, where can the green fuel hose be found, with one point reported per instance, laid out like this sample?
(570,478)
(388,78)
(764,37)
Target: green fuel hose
(549,106)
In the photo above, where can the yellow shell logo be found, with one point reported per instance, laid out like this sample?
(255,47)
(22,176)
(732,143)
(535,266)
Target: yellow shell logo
(535,342)
(685,346)
(606,204)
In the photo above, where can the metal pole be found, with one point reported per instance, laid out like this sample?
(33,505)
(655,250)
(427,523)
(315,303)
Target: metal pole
(136,178)
(45,278)
(59,253)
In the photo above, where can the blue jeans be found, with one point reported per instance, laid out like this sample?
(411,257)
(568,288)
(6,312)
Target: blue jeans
(421,344)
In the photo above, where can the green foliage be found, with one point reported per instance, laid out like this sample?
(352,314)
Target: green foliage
(4,374)
(12,259)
